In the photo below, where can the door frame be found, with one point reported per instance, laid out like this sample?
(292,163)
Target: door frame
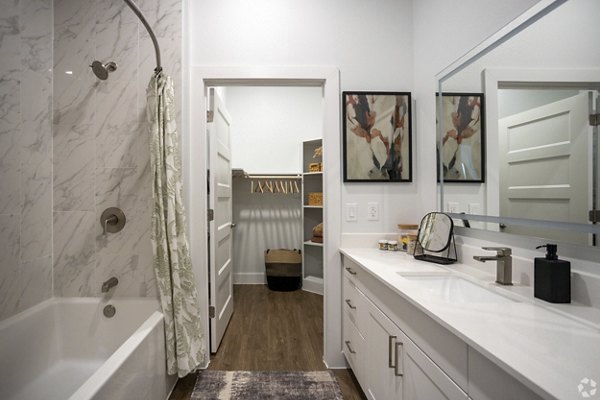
(195,164)
(497,78)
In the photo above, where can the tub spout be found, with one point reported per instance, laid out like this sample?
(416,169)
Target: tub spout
(109,284)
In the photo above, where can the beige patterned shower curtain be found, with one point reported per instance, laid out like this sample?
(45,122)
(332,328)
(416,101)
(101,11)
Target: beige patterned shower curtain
(172,263)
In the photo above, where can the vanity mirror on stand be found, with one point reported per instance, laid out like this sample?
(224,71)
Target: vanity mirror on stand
(435,239)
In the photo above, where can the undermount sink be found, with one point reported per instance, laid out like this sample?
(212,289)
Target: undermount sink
(455,289)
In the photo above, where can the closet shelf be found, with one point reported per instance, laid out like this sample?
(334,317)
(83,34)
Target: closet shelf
(311,243)
(312,173)
(317,207)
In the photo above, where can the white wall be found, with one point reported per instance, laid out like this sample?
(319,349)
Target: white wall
(269,125)
(345,34)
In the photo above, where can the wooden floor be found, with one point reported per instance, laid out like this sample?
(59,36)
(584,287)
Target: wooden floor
(273,331)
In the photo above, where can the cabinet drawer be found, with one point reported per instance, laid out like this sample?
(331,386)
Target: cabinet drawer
(352,271)
(353,347)
(350,301)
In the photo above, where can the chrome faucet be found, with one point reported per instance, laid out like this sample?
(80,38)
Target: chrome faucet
(109,284)
(503,263)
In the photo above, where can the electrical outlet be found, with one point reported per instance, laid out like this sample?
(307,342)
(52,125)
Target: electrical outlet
(453,207)
(351,212)
(373,211)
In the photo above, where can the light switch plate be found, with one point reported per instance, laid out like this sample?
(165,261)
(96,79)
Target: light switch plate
(351,212)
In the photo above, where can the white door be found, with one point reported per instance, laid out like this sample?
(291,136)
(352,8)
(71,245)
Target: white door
(220,229)
(543,174)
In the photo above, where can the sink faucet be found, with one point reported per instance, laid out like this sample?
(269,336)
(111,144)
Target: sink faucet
(109,284)
(503,263)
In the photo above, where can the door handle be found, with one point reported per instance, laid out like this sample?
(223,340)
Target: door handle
(390,347)
(350,304)
(396,372)
(350,348)
(350,270)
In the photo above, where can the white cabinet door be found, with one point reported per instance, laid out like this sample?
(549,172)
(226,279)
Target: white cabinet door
(397,369)
(383,351)
(424,380)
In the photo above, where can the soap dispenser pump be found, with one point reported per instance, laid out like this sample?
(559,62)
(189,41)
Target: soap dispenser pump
(552,277)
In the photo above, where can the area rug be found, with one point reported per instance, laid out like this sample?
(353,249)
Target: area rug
(292,385)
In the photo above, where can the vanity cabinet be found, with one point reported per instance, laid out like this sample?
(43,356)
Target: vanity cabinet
(397,351)
(385,361)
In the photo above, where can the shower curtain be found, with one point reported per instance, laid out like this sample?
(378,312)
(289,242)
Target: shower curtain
(172,263)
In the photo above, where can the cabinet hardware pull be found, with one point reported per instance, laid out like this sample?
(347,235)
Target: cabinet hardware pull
(390,357)
(350,270)
(350,304)
(350,348)
(396,372)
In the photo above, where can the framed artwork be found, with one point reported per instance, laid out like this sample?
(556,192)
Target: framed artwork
(377,140)
(463,137)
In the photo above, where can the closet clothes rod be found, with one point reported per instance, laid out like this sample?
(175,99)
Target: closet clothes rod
(250,176)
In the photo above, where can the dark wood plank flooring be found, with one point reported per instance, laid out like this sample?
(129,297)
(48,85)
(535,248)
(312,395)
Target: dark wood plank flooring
(273,331)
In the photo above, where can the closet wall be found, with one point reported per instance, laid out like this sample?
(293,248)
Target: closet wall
(268,127)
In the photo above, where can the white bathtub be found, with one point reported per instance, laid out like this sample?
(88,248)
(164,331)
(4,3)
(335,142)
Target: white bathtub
(65,348)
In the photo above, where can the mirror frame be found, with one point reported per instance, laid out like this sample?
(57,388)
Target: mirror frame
(533,14)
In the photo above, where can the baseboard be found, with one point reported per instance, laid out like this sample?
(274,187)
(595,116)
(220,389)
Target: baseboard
(249,278)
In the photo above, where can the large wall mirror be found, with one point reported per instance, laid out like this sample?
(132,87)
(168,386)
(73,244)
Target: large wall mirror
(540,78)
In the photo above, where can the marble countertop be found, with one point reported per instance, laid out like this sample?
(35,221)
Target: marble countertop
(546,350)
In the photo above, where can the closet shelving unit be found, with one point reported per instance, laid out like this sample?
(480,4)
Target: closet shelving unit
(312,254)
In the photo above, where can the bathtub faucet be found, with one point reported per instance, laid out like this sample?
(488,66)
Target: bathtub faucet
(109,284)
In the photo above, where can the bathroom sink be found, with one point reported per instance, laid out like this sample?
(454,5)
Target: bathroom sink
(454,289)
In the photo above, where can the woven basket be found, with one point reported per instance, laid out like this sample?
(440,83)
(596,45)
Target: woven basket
(315,199)
(315,167)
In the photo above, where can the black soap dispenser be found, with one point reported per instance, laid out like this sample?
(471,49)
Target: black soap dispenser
(552,277)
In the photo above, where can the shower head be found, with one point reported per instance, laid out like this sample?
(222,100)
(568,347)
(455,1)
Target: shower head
(102,70)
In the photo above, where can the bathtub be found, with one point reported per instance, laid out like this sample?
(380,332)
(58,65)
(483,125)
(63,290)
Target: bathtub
(65,348)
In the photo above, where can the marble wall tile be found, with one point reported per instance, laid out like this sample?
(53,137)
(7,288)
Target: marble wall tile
(36,217)
(10,76)
(35,282)
(74,253)
(73,173)
(74,105)
(9,265)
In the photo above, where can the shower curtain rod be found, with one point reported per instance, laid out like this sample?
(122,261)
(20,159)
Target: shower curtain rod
(137,12)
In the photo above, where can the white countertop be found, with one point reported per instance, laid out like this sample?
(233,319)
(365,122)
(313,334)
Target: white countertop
(548,352)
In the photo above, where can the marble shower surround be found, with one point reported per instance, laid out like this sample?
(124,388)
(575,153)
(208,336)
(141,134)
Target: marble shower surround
(101,155)
(25,154)
(71,145)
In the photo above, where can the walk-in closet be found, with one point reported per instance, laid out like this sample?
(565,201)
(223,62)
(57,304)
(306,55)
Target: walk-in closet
(275,190)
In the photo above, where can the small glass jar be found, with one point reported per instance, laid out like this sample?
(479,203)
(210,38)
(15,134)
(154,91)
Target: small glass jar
(411,245)
(393,245)
(406,230)
(383,244)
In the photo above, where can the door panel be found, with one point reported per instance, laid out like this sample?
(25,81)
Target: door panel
(542,173)
(221,238)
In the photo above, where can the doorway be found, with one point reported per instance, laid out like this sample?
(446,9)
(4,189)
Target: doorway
(255,141)
(327,78)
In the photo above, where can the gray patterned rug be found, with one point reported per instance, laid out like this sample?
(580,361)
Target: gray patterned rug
(289,385)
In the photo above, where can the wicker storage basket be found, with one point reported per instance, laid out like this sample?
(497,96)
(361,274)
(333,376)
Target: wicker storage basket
(283,268)
(315,167)
(315,199)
